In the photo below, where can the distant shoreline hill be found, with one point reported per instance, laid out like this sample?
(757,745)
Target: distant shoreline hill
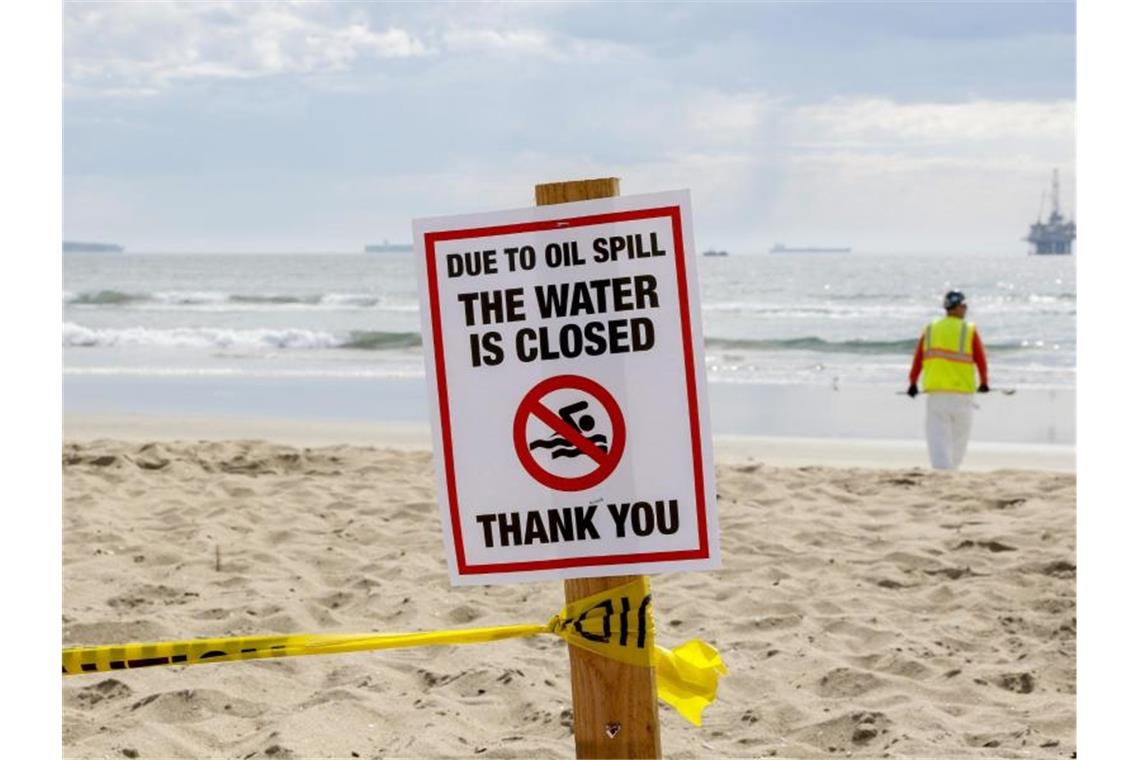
(387,247)
(72,246)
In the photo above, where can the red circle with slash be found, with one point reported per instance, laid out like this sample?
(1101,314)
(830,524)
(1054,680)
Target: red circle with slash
(531,405)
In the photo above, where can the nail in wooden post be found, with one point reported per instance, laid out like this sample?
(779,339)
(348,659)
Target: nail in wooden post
(615,704)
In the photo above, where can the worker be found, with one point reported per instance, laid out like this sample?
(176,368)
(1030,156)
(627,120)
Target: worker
(947,353)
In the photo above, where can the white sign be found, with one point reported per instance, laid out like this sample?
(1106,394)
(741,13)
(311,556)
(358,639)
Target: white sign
(567,385)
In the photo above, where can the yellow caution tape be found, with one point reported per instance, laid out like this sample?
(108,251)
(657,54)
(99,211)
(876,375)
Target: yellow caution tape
(687,677)
(616,623)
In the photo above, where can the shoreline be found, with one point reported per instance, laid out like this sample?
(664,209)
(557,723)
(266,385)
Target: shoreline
(1033,416)
(783,451)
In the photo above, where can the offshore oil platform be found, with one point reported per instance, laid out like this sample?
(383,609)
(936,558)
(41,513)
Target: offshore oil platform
(1054,237)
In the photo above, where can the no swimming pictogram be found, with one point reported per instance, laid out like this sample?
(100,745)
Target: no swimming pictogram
(571,425)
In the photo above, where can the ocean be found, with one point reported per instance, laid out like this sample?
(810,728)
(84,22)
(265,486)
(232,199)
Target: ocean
(337,336)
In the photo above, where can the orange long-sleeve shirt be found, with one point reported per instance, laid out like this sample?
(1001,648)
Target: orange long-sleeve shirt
(979,359)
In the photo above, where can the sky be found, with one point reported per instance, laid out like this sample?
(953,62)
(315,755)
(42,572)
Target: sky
(926,127)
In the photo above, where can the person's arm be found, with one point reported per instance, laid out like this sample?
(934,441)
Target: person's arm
(980,359)
(916,365)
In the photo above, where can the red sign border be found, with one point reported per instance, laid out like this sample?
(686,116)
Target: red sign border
(673,213)
(617,424)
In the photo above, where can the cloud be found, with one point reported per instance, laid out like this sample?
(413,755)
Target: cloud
(518,40)
(779,128)
(722,117)
(139,49)
(877,143)
(879,120)
(142,48)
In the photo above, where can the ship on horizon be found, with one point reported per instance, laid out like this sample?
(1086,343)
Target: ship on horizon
(781,248)
(1055,236)
(387,247)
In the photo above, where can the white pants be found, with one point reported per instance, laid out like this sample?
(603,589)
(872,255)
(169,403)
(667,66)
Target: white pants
(948,417)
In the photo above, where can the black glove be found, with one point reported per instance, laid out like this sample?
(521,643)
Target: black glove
(983,388)
(912,391)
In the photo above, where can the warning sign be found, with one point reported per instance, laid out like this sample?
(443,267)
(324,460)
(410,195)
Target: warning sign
(564,354)
(572,426)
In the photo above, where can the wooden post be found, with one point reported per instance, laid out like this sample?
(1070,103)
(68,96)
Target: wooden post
(615,705)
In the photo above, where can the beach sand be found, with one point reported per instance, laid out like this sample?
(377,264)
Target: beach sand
(862,611)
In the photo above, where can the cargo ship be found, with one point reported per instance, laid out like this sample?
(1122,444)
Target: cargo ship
(1053,237)
(781,248)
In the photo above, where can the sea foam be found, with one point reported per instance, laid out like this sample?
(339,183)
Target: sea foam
(77,336)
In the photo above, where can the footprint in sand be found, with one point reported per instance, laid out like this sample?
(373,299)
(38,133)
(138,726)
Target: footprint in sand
(336,600)
(844,682)
(856,728)
(1019,683)
(464,613)
(107,689)
(1060,569)
(193,706)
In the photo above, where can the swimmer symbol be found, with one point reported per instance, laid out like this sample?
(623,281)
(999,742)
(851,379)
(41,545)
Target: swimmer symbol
(559,446)
(571,436)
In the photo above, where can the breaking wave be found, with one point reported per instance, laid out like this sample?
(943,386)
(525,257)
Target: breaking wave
(821,345)
(80,336)
(215,299)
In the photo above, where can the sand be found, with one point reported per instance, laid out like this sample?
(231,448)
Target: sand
(862,612)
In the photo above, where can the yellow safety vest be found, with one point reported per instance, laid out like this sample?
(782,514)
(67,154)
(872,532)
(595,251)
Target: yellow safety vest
(948,356)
